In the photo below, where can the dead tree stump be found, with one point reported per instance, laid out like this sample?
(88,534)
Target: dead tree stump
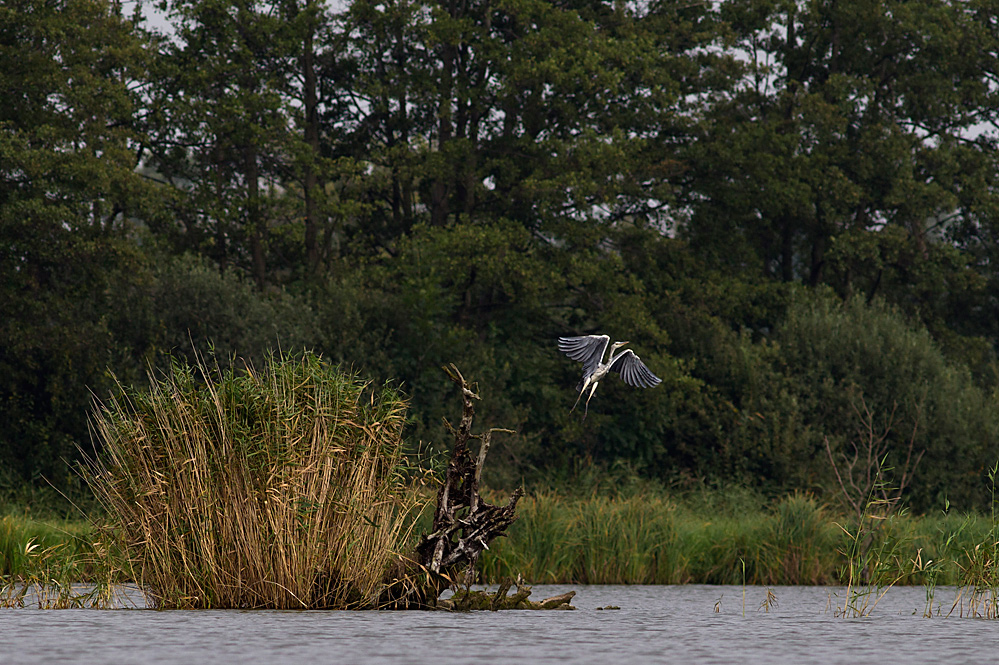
(464,524)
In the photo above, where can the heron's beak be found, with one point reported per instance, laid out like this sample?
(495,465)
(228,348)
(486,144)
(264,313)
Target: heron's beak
(623,343)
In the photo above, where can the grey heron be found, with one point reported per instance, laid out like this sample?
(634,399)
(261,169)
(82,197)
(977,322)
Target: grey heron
(590,349)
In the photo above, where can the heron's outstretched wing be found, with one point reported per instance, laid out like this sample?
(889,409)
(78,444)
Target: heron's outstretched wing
(588,349)
(634,372)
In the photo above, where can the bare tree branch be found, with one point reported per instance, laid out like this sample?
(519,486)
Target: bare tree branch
(464,524)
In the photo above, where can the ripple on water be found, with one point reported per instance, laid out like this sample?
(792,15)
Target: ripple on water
(693,624)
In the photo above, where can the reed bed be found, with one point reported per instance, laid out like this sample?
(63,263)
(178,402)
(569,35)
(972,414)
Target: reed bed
(655,539)
(282,488)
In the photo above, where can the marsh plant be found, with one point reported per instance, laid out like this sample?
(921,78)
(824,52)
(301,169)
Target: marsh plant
(42,563)
(978,589)
(45,580)
(238,488)
(871,491)
(596,540)
(769,601)
(879,549)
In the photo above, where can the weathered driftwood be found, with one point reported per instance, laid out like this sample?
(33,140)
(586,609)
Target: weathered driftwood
(465,599)
(464,524)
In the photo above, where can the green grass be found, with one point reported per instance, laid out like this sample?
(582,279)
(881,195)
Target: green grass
(23,540)
(654,539)
(42,560)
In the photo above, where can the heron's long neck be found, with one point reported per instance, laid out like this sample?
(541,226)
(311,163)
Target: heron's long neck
(614,353)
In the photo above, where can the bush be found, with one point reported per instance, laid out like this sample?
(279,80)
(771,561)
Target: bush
(58,349)
(188,307)
(838,358)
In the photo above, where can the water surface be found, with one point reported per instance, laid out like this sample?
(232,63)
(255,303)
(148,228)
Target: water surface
(690,624)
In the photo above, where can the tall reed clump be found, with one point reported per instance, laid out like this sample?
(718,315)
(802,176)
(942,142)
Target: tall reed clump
(282,488)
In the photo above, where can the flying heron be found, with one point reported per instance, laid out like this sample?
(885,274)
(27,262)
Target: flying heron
(589,350)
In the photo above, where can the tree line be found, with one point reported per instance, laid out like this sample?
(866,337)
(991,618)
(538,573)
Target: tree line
(788,207)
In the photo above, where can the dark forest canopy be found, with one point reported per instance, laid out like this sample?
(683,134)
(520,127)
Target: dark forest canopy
(789,208)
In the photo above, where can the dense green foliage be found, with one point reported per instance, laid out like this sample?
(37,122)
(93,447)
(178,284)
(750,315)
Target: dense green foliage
(789,208)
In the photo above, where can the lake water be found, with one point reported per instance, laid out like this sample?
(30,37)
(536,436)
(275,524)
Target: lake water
(688,625)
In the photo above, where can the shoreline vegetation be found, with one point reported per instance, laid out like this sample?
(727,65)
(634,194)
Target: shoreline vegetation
(637,539)
(810,268)
(652,539)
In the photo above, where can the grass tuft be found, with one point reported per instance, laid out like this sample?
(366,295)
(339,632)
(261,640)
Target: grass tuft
(41,561)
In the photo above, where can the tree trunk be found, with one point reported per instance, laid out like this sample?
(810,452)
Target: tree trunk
(310,179)
(441,189)
(463,526)
(255,221)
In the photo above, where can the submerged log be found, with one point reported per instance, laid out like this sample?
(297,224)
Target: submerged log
(464,524)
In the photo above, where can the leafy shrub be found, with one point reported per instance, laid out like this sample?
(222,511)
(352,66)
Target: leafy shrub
(838,356)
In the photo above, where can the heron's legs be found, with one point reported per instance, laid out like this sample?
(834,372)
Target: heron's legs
(582,390)
(586,408)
